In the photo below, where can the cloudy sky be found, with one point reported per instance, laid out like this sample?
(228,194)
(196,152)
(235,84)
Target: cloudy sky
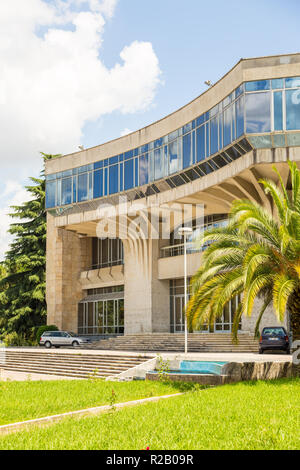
(85,71)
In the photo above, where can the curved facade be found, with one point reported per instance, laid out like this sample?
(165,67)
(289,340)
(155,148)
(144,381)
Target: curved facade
(208,153)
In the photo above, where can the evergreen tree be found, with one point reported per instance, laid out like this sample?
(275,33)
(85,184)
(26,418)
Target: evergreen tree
(23,303)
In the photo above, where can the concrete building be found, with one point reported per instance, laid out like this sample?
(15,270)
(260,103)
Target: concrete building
(210,152)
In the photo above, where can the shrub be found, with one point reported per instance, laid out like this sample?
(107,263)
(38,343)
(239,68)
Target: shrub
(13,339)
(44,328)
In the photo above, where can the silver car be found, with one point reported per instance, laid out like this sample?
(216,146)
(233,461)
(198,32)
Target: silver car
(62,338)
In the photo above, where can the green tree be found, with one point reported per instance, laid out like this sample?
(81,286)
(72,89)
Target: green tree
(256,254)
(23,304)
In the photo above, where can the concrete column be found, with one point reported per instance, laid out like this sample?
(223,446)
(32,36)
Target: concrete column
(67,256)
(147,299)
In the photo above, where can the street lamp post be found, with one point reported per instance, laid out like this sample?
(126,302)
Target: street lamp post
(185,231)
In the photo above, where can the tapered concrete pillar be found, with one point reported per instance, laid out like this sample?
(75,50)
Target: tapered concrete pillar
(67,256)
(147,299)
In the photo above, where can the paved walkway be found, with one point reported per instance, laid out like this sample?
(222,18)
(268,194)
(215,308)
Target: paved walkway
(10,375)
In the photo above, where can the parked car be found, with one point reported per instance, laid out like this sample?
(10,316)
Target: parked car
(62,338)
(274,338)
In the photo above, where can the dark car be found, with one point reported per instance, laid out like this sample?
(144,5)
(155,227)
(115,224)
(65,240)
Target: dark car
(274,338)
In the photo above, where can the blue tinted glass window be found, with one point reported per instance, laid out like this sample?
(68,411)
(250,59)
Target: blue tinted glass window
(173,156)
(173,136)
(201,143)
(292,109)
(258,86)
(200,120)
(121,176)
(128,175)
(239,113)
(187,150)
(58,192)
(158,143)
(128,154)
(143,170)
(194,156)
(83,169)
(220,131)
(90,194)
(207,139)
(113,160)
(98,165)
(50,194)
(187,128)
(114,179)
(239,91)
(277,83)
(214,136)
(66,191)
(278,117)
(82,187)
(105,176)
(292,82)
(151,166)
(227,120)
(75,188)
(179,153)
(166,159)
(158,163)
(258,113)
(136,172)
(98,183)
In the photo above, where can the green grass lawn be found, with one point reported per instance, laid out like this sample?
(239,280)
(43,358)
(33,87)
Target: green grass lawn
(20,401)
(256,415)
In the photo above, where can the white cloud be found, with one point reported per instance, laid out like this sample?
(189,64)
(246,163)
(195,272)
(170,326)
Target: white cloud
(13,194)
(52,78)
(125,131)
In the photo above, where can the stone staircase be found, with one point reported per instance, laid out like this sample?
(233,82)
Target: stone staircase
(77,365)
(203,342)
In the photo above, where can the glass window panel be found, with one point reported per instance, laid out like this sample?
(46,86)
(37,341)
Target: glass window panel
(200,143)
(113,160)
(66,191)
(278,116)
(187,128)
(239,91)
(293,140)
(159,163)
(90,194)
(261,142)
(279,140)
(277,83)
(75,188)
(121,176)
(207,138)
(151,166)
(173,136)
(136,172)
(82,187)
(258,86)
(128,175)
(220,131)
(58,193)
(50,194)
(173,154)
(166,158)
(227,118)
(258,114)
(292,109)
(292,82)
(143,170)
(128,155)
(114,179)
(214,111)
(214,136)
(105,181)
(187,150)
(239,112)
(179,153)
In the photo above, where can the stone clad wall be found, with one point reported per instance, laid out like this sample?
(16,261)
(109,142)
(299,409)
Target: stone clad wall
(67,256)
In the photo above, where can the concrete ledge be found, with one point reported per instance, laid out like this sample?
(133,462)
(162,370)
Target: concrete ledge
(8,428)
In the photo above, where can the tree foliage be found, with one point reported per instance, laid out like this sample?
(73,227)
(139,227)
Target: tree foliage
(22,284)
(256,254)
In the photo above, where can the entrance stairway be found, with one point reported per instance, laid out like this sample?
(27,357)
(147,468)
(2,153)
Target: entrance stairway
(81,365)
(203,342)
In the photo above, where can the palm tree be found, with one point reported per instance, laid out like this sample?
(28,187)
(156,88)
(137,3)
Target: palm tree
(256,254)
